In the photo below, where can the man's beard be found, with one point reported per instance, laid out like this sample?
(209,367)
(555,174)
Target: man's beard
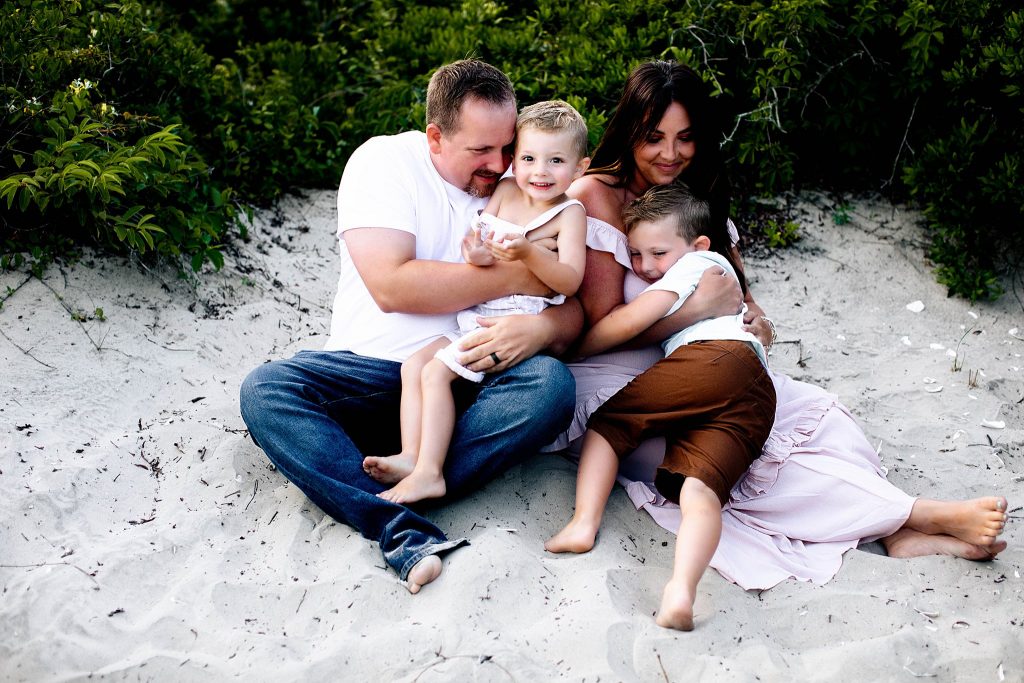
(488,189)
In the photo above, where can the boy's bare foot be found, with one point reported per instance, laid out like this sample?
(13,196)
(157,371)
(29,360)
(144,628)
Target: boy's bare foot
(912,543)
(391,469)
(676,609)
(417,486)
(423,572)
(977,522)
(576,537)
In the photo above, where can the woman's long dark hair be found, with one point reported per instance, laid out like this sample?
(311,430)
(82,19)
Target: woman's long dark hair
(650,88)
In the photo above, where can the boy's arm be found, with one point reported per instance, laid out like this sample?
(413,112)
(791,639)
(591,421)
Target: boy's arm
(627,321)
(564,273)
(716,295)
(474,251)
(474,248)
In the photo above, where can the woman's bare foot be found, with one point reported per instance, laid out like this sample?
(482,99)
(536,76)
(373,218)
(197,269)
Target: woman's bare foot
(576,537)
(417,486)
(676,609)
(977,522)
(423,572)
(390,469)
(911,543)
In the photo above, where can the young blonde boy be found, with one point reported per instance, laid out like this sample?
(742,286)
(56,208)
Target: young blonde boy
(525,210)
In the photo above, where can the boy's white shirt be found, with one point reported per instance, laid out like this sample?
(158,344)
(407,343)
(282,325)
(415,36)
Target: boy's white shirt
(682,279)
(390,182)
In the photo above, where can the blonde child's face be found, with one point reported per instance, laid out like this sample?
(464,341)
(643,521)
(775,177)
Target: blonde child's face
(544,164)
(655,246)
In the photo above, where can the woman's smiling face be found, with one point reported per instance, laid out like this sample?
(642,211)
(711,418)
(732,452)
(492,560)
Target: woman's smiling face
(666,152)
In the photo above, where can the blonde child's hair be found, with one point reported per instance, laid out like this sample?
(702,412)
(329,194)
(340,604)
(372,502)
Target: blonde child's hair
(556,116)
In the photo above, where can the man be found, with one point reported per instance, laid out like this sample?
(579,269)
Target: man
(404,205)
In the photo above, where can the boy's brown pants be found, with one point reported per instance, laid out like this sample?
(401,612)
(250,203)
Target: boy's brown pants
(714,403)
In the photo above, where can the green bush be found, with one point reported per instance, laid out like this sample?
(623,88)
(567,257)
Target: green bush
(919,99)
(92,150)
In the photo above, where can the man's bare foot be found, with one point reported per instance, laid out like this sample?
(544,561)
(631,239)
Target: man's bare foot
(576,537)
(391,469)
(977,522)
(423,572)
(676,609)
(417,486)
(912,543)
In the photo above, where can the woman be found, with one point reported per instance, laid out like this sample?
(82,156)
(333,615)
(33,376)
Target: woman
(818,488)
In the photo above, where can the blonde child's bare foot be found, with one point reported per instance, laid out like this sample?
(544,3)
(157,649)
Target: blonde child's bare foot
(911,543)
(391,469)
(417,486)
(576,537)
(676,609)
(977,522)
(423,572)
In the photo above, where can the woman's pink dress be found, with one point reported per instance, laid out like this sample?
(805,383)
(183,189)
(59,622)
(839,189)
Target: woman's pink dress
(817,490)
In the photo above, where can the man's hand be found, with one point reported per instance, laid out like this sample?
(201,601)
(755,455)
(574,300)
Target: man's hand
(511,338)
(514,338)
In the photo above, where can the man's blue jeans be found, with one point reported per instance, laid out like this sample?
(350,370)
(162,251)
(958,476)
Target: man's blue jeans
(317,414)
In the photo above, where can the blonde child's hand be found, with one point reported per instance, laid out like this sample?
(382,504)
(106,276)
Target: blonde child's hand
(512,248)
(475,250)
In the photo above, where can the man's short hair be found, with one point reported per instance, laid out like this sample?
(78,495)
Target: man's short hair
(453,83)
(556,116)
(692,214)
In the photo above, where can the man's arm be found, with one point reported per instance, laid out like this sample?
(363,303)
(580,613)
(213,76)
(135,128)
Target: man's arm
(399,282)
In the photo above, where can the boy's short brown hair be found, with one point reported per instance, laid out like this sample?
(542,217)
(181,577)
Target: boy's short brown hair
(556,116)
(692,214)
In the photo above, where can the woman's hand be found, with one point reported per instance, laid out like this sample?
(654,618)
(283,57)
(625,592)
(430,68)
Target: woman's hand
(716,295)
(756,323)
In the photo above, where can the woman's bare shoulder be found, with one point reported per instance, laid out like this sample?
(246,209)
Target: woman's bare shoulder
(599,196)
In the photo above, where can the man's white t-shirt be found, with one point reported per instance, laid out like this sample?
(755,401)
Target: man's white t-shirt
(682,279)
(390,182)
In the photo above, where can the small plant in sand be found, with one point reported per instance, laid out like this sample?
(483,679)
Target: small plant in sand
(841,214)
(781,233)
(84,316)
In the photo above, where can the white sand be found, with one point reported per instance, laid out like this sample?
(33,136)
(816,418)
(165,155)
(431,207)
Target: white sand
(144,536)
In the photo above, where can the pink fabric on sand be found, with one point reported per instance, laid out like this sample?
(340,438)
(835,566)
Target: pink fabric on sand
(817,490)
